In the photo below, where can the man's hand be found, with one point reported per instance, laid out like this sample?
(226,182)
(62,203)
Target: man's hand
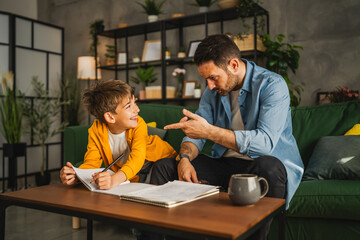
(186,171)
(196,128)
(67,175)
(102,179)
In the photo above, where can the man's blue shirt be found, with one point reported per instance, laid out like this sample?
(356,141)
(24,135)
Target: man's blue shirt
(264,104)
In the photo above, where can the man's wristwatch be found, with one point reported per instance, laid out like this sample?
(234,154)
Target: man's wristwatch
(181,156)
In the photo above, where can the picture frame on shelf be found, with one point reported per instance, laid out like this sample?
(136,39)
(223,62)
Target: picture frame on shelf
(188,88)
(192,48)
(121,58)
(323,98)
(152,50)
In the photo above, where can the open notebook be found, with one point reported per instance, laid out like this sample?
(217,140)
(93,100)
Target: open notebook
(168,195)
(85,176)
(171,194)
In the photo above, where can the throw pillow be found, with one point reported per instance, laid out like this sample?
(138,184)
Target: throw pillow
(335,157)
(355,130)
(157,131)
(151,124)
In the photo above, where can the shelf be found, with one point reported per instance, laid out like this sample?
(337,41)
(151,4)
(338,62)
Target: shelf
(168,100)
(132,65)
(218,16)
(186,21)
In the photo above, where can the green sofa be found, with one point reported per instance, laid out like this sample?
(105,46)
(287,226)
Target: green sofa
(320,209)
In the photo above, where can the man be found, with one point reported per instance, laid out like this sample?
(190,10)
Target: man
(245,112)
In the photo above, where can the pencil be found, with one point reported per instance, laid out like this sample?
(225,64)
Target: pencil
(111,164)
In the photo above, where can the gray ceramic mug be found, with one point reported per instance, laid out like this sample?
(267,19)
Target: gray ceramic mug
(244,189)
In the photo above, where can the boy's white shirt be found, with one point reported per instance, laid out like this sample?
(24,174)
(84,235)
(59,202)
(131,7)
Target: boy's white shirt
(119,145)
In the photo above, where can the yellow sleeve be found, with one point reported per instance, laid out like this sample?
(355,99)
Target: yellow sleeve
(92,157)
(137,139)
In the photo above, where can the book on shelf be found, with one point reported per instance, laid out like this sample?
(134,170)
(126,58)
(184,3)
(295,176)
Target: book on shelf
(169,195)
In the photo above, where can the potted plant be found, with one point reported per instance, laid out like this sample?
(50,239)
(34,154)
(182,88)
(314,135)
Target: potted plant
(203,4)
(144,76)
(42,115)
(11,113)
(110,55)
(343,94)
(96,27)
(197,91)
(181,53)
(246,8)
(152,8)
(280,57)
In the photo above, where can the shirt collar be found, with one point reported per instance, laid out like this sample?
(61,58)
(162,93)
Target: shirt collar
(248,75)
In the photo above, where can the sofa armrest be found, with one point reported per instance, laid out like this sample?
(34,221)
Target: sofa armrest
(75,144)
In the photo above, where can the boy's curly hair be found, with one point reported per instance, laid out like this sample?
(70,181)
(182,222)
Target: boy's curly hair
(105,96)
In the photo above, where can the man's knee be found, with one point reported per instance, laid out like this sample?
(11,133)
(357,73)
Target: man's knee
(163,170)
(271,166)
(274,172)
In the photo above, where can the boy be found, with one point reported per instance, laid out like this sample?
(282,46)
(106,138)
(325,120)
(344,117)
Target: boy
(118,129)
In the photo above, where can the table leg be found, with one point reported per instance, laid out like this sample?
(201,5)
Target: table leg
(282,225)
(89,229)
(2,221)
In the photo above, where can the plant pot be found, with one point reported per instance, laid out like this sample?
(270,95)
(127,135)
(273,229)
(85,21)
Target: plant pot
(142,95)
(197,93)
(153,18)
(42,180)
(203,9)
(181,55)
(109,61)
(12,151)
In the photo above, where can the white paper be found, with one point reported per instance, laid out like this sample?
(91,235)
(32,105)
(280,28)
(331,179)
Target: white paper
(174,191)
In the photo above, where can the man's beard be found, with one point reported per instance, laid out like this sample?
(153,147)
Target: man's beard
(231,84)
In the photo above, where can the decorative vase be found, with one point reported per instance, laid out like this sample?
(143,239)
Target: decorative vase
(12,151)
(181,55)
(142,95)
(197,93)
(203,9)
(180,89)
(153,18)
(167,55)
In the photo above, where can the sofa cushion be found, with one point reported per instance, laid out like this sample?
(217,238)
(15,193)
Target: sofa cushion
(333,199)
(156,131)
(310,123)
(335,157)
(355,130)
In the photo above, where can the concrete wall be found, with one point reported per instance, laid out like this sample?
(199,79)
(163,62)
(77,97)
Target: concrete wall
(327,29)
(26,8)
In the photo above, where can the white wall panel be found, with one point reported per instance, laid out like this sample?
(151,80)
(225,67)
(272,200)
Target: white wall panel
(4,26)
(54,72)
(4,58)
(29,63)
(47,38)
(23,32)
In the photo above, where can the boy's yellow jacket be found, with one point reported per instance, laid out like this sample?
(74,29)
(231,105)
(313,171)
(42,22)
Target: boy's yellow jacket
(142,146)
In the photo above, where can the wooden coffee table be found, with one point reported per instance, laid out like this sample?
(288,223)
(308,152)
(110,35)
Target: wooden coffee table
(214,217)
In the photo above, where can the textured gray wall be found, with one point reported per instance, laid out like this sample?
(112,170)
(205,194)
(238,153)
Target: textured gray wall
(327,29)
